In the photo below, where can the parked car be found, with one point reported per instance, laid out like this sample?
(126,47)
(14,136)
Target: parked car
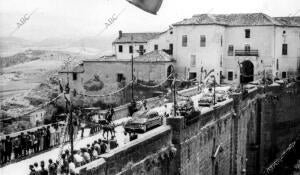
(221,95)
(143,120)
(206,100)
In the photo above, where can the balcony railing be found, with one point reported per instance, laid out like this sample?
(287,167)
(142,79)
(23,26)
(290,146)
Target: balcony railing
(246,53)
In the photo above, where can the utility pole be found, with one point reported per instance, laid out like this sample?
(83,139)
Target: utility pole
(174,94)
(200,81)
(132,95)
(71,131)
(214,89)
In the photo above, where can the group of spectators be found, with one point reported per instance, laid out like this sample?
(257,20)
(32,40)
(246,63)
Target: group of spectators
(31,142)
(67,164)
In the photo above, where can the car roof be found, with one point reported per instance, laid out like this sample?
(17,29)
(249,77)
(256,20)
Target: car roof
(151,112)
(144,112)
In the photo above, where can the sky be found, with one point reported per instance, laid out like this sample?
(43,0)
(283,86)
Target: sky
(87,18)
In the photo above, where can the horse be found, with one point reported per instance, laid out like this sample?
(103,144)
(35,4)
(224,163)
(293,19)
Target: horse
(108,128)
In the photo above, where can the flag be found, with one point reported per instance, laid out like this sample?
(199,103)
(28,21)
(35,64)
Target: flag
(150,6)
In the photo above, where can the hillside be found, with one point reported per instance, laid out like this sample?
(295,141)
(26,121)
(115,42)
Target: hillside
(18,58)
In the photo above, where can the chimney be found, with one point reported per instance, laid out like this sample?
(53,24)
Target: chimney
(120,34)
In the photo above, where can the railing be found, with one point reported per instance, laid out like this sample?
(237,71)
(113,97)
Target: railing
(246,53)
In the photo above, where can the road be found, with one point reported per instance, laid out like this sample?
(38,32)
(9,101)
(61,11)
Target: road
(22,167)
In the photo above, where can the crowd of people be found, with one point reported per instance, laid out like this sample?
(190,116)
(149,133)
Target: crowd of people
(68,163)
(30,142)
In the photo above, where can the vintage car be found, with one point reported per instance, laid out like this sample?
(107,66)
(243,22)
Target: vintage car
(206,100)
(143,120)
(221,95)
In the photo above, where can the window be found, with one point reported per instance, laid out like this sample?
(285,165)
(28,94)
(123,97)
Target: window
(284,49)
(247,47)
(283,74)
(192,75)
(230,75)
(74,76)
(184,41)
(171,48)
(120,48)
(202,41)
(230,50)
(155,47)
(130,49)
(120,77)
(221,41)
(247,33)
(193,60)
(141,49)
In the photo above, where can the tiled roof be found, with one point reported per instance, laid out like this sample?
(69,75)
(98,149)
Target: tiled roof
(289,21)
(246,19)
(153,56)
(76,69)
(137,37)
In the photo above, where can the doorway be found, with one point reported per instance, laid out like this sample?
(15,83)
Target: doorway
(247,72)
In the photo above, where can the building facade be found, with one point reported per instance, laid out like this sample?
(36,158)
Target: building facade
(110,74)
(235,48)
(239,47)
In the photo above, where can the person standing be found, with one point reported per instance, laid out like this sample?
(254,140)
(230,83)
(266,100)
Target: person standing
(82,126)
(42,139)
(103,147)
(58,131)
(23,145)
(43,171)
(48,134)
(35,141)
(2,152)
(113,143)
(8,148)
(71,167)
(52,168)
(52,136)
(32,170)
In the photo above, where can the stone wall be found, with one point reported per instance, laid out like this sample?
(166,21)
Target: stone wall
(151,154)
(241,135)
(204,147)
(280,122)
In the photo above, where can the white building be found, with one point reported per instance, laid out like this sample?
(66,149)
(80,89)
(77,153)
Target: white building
(37,118)
(230,44)
(236,47)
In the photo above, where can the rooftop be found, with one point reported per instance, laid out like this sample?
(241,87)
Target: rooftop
(77,69)
(136,37)
(240,19)
(289,21)
(153,56)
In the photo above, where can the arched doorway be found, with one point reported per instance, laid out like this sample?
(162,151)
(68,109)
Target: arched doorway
(247,72)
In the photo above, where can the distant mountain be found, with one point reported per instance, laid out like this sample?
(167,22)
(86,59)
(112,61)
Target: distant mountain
(7,42)
(13,45)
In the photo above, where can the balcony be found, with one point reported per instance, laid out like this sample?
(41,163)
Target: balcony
(246,53)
